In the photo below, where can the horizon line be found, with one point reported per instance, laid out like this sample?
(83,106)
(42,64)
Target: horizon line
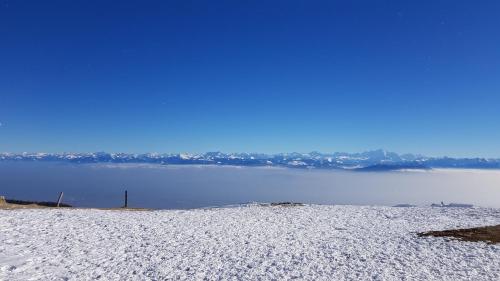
(420,155)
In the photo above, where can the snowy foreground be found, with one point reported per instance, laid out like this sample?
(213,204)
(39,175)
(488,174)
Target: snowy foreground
(245,243)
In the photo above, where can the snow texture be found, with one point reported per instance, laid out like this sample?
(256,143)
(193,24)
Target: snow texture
(245,243)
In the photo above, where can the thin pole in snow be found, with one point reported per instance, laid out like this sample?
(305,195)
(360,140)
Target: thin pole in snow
(126,200)
(60,198)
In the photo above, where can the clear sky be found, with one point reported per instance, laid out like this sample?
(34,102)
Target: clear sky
(250,76)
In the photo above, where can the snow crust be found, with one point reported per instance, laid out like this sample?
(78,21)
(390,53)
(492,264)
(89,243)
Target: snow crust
(245,243)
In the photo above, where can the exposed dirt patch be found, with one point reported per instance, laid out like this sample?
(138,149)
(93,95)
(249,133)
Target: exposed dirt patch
(284,204)
(8,206)
(21,204)
(11,204)
(488,234)
(41,203)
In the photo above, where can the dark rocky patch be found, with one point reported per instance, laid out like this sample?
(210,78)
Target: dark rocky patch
(46,204)
(286,204)
(488,234)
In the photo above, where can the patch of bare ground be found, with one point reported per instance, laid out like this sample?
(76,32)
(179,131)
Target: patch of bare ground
(11,204)
(16,206)
(488,234)
(8,204)
(284,204)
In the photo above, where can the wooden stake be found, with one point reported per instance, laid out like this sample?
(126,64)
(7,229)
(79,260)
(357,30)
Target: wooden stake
(126,200)
(60,198)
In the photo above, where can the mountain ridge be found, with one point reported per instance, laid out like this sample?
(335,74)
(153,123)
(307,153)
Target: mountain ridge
(375,160)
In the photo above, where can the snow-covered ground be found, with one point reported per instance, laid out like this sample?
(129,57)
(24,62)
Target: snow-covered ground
(245,243)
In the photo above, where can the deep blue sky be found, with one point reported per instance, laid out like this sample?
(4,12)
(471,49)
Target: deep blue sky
(256,76)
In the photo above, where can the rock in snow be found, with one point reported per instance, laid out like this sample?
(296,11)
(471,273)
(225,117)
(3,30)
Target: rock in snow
(245,243)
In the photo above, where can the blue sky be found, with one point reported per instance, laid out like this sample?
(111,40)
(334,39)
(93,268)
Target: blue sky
(250,76)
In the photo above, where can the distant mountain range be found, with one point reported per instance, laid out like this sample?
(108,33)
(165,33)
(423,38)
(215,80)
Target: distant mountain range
(377,160)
